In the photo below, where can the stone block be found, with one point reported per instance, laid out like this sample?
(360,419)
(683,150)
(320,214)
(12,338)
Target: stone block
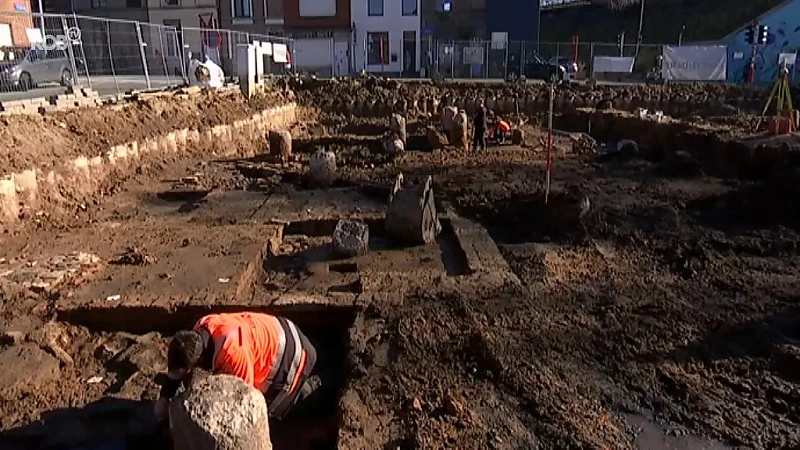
(220,412)
(351,238)
(436,140)
(411,214)
(322,168)
(397,124)
(280,144)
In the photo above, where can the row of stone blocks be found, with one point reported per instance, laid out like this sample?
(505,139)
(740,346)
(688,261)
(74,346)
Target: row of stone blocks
(84,175)
(562,102)
(74,98)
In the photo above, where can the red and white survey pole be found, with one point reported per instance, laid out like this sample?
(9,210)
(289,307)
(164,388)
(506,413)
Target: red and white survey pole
(549,144)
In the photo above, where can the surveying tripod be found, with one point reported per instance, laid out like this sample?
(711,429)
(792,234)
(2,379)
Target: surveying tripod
(784,98)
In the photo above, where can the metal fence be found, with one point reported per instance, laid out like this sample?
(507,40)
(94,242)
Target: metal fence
(478,59)
(109,55)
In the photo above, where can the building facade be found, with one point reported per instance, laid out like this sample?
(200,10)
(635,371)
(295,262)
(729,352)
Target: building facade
(453,20)
(783,37)
(188,18)
(387,36)
(15,22)
(322,35)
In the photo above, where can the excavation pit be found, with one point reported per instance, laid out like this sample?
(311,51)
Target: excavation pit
(126,348)
(306,259)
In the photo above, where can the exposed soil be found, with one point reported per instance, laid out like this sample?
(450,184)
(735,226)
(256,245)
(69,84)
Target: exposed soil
(666,307)
(44,141)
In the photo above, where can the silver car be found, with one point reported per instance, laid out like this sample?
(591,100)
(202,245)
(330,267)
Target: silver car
(24,68)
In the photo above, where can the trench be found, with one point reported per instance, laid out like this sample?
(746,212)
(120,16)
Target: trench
(312,424)
(451,253)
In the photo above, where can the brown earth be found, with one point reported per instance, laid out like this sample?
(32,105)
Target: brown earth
(45,141)
(665,318)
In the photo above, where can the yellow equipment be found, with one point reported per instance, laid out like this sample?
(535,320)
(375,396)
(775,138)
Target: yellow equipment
(780,92)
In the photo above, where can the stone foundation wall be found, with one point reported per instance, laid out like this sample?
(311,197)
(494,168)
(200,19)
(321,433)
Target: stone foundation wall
(726,155)
(80,179)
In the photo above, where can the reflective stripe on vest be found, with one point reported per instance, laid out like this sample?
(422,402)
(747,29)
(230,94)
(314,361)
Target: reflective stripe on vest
(283,374)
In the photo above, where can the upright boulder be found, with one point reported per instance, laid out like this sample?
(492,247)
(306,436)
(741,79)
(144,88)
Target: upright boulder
(436,140)
(322,168)
(459,136)
(394,146)
(411,214)
(280,144)
(448,114)
(220,412)
(397,125)
(350,238)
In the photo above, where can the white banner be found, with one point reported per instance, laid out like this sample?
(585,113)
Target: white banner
(613,64)
(695,63)
(279,53)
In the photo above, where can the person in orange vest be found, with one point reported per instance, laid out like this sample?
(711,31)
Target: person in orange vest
(267,352)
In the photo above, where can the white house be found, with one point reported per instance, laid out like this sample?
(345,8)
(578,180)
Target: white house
(386,35)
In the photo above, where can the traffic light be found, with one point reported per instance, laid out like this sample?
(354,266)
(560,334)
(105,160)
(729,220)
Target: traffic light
(749,35)
(763,30)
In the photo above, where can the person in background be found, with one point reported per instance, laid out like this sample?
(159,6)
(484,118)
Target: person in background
(479,127)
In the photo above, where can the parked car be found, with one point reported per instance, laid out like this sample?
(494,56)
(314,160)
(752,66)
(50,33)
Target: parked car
(25,68)
(536,68)
(568,63)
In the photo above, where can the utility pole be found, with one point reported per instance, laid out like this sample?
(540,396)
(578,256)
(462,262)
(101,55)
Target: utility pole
(680,36)
(641,20)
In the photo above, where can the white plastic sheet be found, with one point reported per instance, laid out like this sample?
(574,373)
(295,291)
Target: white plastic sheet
(613,64)
(695,63)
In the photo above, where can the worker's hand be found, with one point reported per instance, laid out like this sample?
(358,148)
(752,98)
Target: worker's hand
(162,408)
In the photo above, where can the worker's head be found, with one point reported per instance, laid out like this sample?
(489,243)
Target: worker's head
(184,352)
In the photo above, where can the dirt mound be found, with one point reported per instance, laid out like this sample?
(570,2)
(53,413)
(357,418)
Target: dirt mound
(43,141)
(372,89)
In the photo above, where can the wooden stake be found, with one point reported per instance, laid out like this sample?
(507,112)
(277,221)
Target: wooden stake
(549,145)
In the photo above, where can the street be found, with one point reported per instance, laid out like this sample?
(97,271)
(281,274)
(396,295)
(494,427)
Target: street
(104,85)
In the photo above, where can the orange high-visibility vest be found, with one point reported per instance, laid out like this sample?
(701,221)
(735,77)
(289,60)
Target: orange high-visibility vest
(254,348)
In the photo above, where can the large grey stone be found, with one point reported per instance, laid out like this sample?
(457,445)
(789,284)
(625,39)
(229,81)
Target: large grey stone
(411,214)
(351,238)
(397,124)
(322,168)
(280,144)
(394,146)
(220,412)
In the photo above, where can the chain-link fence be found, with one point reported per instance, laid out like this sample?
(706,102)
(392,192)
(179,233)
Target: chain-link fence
(40,51)
(482,59)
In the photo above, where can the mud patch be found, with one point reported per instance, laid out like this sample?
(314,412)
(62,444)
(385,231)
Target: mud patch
(529,219)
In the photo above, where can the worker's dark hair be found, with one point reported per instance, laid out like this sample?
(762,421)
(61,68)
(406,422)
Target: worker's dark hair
(185,350)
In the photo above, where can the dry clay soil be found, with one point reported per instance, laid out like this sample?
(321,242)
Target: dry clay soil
(671,300)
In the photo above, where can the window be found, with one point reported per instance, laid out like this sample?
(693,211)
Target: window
(242,9)
(172,42)
(133,3)
(445,6)
(317,8)
(409,7)
(377,48)
(172,3)
(375,8)
(97,4)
